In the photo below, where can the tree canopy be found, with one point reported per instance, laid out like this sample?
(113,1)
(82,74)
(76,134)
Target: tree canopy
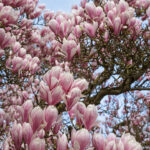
(75,81)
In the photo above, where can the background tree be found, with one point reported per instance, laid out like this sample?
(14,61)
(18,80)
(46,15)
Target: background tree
(96,55)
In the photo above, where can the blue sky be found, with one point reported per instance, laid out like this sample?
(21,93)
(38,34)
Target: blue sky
(63,5)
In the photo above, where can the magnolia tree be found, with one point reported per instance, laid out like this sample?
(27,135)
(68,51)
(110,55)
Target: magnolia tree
(75,81)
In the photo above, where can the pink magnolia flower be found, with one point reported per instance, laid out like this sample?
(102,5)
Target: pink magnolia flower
(65,28)
(16,47)
(90,116)
(148,11)
(54,26)
(51,97)
(111,16)
(82,84)
(122,6)
(27,108)
(106,36)
(37,144)
(57,96)
(2,35)
(41,134)
(130,143)
(117,25)
(90,29)
(52,77)
(124,17)
(77,31)
(17,63)
(83,3)
(8,15)
(51,81)
(70,48)
(51,115)
(99,141)
(80,138)
(44,91)
(6,144)
(109,6)
(27,132)
(73,97)
(62,142)
(80,109)
(36,118)
(90,9)
(111,146)
(2,117)
(66,80)
(57,125)
(48,15)
(21,52)
(16,134)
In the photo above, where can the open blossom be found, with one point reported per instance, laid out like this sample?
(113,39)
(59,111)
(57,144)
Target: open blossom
(66,80)
(51,97)
(15,3)
(52,77)
(90,29)
(8,15)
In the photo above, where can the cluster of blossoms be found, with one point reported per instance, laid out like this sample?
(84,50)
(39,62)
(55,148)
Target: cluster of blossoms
(80,139)
(34,123)
(60,85)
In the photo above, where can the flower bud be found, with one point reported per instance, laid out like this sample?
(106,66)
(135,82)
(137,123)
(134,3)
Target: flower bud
(62,142)
(27,132)
(51,115)
(80,137)
(37,144)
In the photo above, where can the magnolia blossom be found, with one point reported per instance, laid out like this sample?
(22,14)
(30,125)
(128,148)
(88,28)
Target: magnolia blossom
(80,139)
(62,142)
(16,134)
(37,144)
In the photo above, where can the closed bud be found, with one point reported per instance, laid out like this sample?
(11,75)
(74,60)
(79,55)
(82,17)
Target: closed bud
(27,132)
(81,138)
(37,118)
(62,142)
(27,107)
(51,115)
(16,133)
(90,116)
(98,141)
(37,144)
